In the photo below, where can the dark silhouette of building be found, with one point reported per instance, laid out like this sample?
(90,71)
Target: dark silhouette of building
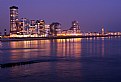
(55,28)
(5,32)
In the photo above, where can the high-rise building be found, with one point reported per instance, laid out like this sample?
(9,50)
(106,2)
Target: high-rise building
(13,19)
(47,30)
(42,27)
(103,32)
(75,27)
(32,27)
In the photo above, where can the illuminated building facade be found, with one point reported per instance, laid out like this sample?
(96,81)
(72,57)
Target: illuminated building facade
(32,27)
(42,27)
(24,27)
(103,32)
(75,27)
(13,19)
(37,27)
(47,30)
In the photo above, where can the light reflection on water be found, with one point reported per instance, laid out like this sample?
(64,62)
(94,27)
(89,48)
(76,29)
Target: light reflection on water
(60,48)
(27,50)
(95,59)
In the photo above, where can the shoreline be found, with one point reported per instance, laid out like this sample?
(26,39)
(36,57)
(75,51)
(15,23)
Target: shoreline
(50,38)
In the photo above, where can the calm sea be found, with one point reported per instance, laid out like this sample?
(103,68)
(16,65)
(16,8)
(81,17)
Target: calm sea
(62,60)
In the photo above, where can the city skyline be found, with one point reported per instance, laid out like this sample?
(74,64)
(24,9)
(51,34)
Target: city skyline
(106,13)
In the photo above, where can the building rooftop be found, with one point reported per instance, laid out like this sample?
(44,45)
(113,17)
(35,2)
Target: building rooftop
(13,7)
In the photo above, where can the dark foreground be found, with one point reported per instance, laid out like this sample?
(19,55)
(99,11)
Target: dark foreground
(86,70)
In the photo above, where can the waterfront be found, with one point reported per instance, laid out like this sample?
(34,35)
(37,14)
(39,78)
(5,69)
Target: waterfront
(62,60)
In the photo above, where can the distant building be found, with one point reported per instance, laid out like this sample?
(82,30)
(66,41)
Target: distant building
(75,27)
(42,27)
(32,27)
(103,32)
(38,28)
(32,22)
(13,19)
(47,30)
(55,28)
(5,33)
(42,24)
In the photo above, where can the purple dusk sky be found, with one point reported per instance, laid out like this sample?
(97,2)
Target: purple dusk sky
(91,14)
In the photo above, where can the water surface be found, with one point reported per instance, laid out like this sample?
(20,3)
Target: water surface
(62,60)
